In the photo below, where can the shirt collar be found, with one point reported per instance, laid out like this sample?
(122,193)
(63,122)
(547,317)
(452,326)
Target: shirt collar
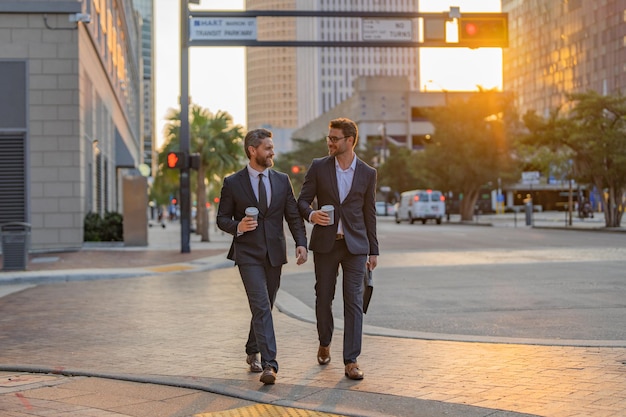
(351,167)
(254,173)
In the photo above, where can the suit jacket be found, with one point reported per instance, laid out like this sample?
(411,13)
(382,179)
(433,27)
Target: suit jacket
(268,239)
(357,212)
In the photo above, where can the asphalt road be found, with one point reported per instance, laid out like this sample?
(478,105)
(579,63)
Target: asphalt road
(508,284)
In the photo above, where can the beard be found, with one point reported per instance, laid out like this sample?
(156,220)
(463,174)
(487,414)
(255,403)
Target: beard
(266,162)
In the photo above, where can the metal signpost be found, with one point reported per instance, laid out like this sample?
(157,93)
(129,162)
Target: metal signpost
(378,29)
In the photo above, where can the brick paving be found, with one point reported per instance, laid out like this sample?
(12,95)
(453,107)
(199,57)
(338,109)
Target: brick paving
(192,325)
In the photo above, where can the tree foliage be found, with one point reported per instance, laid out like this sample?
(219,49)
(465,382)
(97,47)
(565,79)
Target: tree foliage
(399,171)
(470,146)
(592,135)
(217,140)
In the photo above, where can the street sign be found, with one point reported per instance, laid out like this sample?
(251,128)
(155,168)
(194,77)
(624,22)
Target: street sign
(530,177)
(387,30)
(222,28)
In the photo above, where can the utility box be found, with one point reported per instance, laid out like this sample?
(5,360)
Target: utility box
(15,237)
(135,211)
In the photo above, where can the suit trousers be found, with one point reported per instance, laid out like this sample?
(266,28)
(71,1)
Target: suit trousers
(261,283)
(326,272)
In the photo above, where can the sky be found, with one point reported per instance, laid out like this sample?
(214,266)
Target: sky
(217,78)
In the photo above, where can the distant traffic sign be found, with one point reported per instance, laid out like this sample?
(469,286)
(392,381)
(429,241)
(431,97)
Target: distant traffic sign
(530,177)
(222,28)
(387,30)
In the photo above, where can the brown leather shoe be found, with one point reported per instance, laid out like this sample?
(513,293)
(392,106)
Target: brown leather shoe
(323,355)
(268,376)
(254,362)
(353,371)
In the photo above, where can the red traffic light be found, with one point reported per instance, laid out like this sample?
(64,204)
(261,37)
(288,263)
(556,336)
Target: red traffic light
(172,160)
(297,169)
(470,29)
(484,31)
(177,160)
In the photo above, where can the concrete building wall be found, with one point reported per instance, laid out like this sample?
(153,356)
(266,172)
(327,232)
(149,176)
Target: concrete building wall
(81,130)
(383,106)
(53,125)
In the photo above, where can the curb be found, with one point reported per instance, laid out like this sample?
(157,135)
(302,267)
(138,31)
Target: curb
(349,403)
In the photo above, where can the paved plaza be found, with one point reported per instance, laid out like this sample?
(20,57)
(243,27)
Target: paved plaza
(164,337)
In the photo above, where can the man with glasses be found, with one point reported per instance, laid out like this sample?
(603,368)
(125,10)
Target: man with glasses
(348,184)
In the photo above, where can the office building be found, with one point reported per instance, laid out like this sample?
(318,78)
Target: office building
(561,47)
(289,87)
(146,10)
(70,114)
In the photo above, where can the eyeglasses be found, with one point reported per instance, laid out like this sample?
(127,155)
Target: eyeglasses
(335,139)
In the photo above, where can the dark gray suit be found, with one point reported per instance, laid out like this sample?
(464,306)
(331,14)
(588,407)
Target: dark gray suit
(358,215)
(260,253)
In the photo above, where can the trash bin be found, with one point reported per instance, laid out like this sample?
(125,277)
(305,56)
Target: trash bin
(15,237)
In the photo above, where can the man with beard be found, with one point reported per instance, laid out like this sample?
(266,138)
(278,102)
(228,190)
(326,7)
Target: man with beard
(259,246)
(348,184)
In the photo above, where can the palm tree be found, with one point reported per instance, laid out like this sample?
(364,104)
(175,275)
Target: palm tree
(218,142)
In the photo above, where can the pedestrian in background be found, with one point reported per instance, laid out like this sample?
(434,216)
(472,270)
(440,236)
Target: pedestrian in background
(347,238)
(259,246)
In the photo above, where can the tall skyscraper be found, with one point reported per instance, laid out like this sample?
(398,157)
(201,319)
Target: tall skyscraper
(289,87)
(146,10)
(560,47)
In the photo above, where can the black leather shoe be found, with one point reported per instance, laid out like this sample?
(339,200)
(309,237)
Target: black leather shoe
(268,377)
(254,362)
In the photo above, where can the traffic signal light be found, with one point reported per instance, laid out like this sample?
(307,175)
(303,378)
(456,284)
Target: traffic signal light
(484,31)
(177,160)
(297,169)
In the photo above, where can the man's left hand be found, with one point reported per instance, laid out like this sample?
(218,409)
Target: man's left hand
(372,262)
(301,255)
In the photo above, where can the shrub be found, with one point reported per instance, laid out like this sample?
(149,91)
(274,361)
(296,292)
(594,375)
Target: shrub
(107,229)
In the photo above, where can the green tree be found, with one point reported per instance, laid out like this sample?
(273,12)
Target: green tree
(399,171)
(218,142)
(469,147)
(593,136)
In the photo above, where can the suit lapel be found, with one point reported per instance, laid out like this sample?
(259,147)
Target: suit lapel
(244,179)
(332,173)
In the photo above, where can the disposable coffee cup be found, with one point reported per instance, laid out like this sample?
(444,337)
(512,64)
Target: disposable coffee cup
(331,213)
(252,212)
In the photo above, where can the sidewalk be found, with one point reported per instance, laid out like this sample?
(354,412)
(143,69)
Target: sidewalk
(191,366)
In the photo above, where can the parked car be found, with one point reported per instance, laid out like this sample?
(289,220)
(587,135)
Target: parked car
(422,205)
(380,209)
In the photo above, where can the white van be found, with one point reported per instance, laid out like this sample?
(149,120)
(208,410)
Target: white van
(421,205)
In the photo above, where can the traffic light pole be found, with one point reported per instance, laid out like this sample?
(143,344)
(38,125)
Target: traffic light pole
(185,192)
